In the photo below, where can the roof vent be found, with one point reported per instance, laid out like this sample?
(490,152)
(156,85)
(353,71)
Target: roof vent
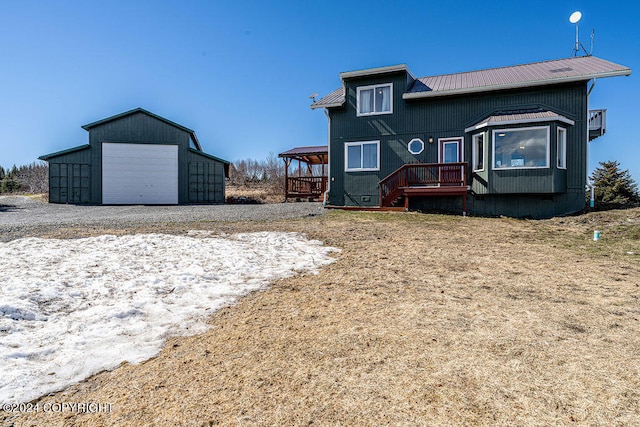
(561,70)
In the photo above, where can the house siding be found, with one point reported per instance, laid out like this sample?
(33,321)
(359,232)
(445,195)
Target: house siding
(70,177)
(444,117)
(206,179)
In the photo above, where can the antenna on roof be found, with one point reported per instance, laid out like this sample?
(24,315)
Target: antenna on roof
(593,37)
(313,96)
(574,19)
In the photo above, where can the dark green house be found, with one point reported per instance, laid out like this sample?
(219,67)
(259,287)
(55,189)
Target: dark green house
(136,157)
(504,141)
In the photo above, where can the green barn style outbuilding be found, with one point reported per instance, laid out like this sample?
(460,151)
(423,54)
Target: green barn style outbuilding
(504,141)
(136,157)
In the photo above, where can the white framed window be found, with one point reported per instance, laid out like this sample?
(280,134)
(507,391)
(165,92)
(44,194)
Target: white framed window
(375,99)
(415,146)
(521,148)
(362,156)
(478,152)
(561,145)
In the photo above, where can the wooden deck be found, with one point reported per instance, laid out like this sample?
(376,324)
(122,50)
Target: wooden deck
(424,180)
(306,186)
(311,180)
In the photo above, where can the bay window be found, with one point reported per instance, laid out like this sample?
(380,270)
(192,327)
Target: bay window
(524,148)
(562,148)
(478,152)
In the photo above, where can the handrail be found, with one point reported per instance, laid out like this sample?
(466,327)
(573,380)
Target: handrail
(306,185)
(598,119)
(421,175)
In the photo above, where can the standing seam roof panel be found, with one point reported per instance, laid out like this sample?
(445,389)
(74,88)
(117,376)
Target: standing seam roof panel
(554,71)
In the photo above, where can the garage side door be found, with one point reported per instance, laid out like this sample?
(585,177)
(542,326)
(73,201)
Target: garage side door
(139,174)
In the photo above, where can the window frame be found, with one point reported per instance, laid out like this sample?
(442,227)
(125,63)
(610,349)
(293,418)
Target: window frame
(561,154)
(409,146)
(374,113)
(361,143)
(493,148)
(474,152)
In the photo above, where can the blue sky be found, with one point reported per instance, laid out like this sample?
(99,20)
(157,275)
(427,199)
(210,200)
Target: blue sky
(240,73)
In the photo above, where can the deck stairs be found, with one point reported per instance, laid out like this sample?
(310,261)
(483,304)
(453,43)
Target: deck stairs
(424,180)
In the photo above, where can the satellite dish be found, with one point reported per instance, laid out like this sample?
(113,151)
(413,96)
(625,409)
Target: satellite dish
(575,17)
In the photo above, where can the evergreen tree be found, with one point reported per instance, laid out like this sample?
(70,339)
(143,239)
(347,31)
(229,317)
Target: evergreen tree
(9,183)
(614,187)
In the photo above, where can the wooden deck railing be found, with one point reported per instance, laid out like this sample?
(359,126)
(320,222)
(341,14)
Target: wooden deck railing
(306,186)
(597,119)
(597,123)
(425,175)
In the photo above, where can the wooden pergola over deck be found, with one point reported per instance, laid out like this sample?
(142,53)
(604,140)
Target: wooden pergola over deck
(305,184)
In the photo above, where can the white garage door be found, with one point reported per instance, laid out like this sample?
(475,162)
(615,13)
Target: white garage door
(139,174)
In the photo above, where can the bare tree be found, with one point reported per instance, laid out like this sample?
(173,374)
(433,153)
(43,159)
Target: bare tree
(33,178)
(268,172)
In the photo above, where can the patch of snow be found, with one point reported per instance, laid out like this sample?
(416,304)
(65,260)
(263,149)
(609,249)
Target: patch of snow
(72,308)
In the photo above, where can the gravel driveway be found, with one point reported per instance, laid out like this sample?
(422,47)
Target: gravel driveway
(19,214)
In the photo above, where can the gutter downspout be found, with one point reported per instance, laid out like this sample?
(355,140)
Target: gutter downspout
(590,186)
(326,193)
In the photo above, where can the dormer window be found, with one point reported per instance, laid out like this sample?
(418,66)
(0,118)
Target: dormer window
(375,99)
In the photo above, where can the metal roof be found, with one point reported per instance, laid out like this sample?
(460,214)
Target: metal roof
(556,71)
(318,149)
(142,110)
(374,71)
(312,155)
(62,152)
(334,99)
(565,70)
(517,117)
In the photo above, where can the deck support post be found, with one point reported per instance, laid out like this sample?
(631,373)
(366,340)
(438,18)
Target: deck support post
(287,162)
(464,204)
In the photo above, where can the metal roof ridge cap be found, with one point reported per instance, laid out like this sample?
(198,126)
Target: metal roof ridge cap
(137,110)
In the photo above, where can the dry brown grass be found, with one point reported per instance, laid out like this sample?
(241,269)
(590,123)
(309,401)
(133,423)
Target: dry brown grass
(423,320)
(260,193)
